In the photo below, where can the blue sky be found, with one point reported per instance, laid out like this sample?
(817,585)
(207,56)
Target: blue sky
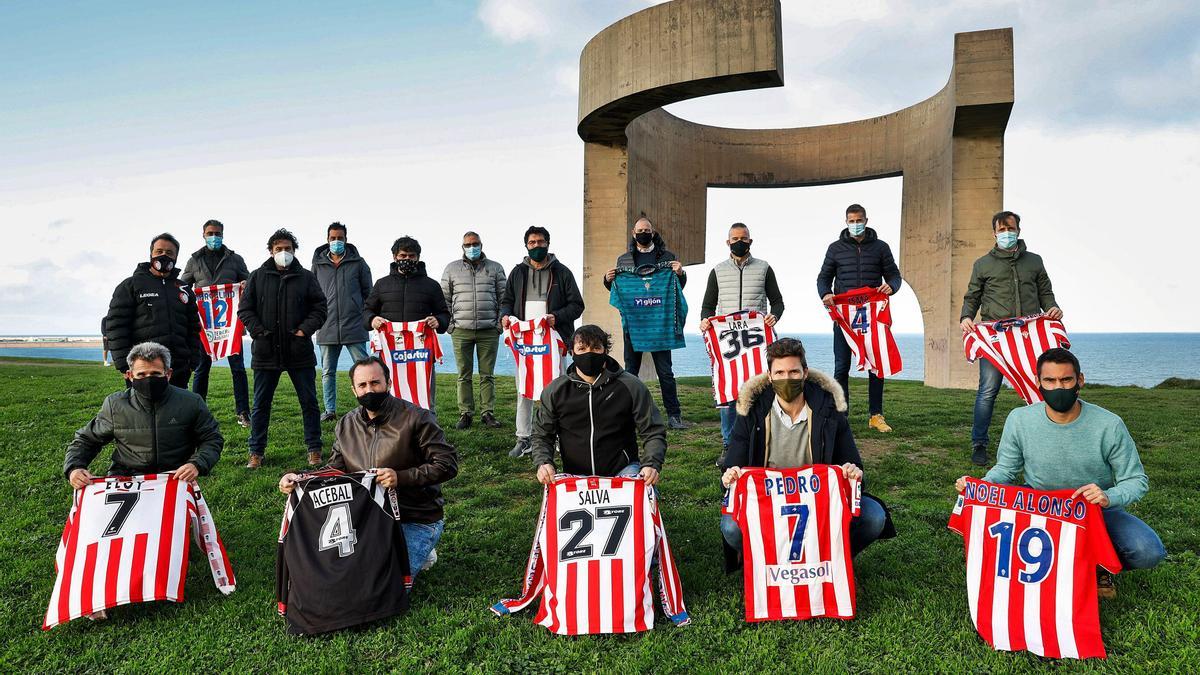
(124,119)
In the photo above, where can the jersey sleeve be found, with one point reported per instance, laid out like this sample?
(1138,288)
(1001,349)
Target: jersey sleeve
(669,585)
(855,495)
(1100,543)
(535,570)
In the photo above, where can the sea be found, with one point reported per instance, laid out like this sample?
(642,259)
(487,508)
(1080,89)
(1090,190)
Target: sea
(1140,359)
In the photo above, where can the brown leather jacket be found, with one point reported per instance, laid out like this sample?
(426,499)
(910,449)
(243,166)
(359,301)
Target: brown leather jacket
(406,438)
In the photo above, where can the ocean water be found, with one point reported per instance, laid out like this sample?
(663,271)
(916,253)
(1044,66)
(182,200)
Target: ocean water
(1142,359)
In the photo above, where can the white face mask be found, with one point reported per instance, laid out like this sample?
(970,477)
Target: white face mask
(284,258)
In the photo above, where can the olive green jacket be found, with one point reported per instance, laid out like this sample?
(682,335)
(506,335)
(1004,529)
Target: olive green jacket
(1005,284)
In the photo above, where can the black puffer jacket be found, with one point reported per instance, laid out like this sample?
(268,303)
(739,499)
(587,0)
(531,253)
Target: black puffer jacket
(397,297)
(276,304)
(163,309)
(851,264)
(149,437)
(659,254)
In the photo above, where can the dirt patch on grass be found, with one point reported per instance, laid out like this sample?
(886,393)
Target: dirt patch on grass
(871,448)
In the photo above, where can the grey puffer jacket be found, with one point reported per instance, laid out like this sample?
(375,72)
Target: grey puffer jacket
(149,437)
(473,291)
(346,286)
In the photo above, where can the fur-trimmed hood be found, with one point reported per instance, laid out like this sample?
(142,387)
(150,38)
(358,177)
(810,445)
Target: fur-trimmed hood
(755,386)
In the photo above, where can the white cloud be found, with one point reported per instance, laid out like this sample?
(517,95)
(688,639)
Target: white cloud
(516,20)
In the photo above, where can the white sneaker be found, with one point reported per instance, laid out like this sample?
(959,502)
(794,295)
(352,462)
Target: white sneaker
(431,560)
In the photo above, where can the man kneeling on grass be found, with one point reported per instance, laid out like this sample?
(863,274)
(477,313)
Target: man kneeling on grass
(1064,443)
(403,444)
(154,426)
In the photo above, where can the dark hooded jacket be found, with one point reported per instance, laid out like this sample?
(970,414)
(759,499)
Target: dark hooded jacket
(634,258)
(159,309)
(206,268)
(346,286)
(851,264)
(276,304)
(596,426)
(412,297)
(563,299)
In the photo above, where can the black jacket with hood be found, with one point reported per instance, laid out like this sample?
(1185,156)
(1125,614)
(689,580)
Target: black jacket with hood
(159,309)
(851,264)
(277,303)
(563,298)
(597,426)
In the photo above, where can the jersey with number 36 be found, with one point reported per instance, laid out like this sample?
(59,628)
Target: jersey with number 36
(342,559)
(737,351)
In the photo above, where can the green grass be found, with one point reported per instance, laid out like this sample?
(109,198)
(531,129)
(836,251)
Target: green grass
(912,613)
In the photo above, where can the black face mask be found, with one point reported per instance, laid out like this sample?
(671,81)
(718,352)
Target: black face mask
(162,263)
(374,400)
(590,363)
(643,238)
(1060,400)
(406,266)
(153,387)
(538,253)
(739,248)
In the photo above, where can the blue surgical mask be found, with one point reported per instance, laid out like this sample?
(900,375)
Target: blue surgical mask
(472,252)
(856,229)
(214,242)
(337,247)
(1006,239)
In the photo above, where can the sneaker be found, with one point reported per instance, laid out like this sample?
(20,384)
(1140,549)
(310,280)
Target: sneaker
(879,424)
(314,457)
(521,449)
(254,462)
(1106,585)
(329,417)
(464,422)
(243,420)
(676,422)
(431,560)
(98,616)
(489,420)
(979,456)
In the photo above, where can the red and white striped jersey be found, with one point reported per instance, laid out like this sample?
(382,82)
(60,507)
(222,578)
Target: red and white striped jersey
(1014,345)
(1031,568)
(589,568)
(795,527)
(737,351)
(126,541)
(538,351)
(865,318)
(220,328)
(409,348)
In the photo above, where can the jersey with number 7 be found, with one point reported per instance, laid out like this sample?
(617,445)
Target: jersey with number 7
(795,527)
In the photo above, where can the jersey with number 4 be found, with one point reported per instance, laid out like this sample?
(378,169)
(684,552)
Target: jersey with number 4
(795,527)
(865,318)
(126,541)
(1031,568)
(589,569)
(737,351)
(220,328)
(342,559)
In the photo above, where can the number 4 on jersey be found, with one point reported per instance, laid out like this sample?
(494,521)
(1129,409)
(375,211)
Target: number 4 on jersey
(338,531)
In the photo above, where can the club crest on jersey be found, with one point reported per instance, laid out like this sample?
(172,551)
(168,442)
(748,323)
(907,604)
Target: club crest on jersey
(330,495)
(406,355)
(799,574)
(651,301)
(532,350)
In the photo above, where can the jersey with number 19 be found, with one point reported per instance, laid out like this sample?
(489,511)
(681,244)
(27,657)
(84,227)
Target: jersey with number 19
(737,351)
(590,565)
(342,559)
(795,527)
(1031,568)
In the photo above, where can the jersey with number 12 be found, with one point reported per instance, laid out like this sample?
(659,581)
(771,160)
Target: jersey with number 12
(220,328)
(1031,568)
(737,351)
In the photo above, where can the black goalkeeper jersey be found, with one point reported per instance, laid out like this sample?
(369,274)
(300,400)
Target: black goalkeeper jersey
(342,559)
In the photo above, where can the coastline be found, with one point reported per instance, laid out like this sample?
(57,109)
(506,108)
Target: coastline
(49,344)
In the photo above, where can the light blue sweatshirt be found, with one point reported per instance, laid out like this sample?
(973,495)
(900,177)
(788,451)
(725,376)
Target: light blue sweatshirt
(1094,448)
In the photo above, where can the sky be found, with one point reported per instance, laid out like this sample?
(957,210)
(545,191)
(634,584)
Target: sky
(124,119)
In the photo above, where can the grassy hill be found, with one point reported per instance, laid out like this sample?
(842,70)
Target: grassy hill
(912,610)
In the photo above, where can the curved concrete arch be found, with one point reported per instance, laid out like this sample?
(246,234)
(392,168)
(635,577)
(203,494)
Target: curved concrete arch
(641,159)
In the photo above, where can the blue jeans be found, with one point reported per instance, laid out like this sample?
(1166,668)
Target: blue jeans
(1138,546)
(728,417)
(662,366)
(329,365)
(421,538)
(864,528)
(304,380)
(237,369)
(985,401)
(841,373)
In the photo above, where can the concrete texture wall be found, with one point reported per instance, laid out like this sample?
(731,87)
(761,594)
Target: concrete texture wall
(948,148)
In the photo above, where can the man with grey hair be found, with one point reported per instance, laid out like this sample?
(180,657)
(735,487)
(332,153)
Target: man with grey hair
(473,286)
(154,426)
